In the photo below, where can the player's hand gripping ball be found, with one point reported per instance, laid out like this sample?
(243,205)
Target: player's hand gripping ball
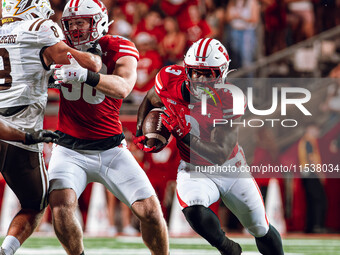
(155,134)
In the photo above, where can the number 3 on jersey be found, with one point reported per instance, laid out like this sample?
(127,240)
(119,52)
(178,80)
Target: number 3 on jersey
(173,71)
(73,92)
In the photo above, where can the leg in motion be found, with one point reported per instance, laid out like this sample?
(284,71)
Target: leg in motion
(25,174)
(21,227)
(270,243)
(153,226)
(245,201)
(66,226)
(205,222)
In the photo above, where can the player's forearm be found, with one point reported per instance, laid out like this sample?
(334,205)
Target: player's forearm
(88,60)
(58,54)
(214,152)
(143,110)
(11,134)
(150,101)
(114,86)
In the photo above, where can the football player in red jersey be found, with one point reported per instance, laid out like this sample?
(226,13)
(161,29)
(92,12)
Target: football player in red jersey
(180,90)
(91,147)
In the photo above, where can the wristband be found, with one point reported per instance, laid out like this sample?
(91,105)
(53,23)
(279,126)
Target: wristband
(28,139)
(92,78)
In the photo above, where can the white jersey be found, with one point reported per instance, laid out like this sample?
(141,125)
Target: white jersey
(23,77)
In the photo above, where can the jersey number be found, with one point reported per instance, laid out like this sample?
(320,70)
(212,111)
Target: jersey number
(89,94)
(55,31)
(5,70)
(175,72)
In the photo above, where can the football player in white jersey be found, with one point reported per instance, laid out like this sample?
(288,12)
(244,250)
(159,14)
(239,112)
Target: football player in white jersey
(204,146)
(91,147)
(29,43)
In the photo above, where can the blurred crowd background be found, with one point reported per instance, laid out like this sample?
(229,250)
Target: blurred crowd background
(250,29)
(284,39)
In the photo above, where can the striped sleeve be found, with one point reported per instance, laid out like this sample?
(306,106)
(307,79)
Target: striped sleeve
(126,48)
(158,83)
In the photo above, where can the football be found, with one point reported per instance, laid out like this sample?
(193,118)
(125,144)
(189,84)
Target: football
(157,134)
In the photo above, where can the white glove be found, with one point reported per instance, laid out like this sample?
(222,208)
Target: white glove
(69,73)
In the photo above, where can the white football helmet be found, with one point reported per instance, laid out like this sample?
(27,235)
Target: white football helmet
(206,63)
(26,9)
(93,9)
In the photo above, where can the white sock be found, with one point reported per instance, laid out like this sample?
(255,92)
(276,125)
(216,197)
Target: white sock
(10,245)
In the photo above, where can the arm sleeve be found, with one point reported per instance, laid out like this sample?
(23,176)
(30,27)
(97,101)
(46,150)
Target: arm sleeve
(49,33)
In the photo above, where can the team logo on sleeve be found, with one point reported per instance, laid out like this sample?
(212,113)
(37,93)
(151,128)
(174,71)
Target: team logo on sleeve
(23,6)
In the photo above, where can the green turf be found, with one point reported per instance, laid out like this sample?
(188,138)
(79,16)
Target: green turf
(313,246)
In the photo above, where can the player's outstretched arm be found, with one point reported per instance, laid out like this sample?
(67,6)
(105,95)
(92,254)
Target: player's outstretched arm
(58,54)
(12,134)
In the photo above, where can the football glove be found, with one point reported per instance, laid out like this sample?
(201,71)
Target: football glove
(140,141)
(40,136)
(69,73)
(175,122)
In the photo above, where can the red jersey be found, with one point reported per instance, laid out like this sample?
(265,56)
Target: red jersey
(149,61)
(197,31)
(86,113)
(157,33)
(174,7)
(129,8)
(168,86)
(194,30)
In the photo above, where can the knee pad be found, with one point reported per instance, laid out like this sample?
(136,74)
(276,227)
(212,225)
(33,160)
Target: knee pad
(258,230)
(195,198)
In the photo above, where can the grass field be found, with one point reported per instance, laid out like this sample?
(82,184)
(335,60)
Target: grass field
(293,245)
